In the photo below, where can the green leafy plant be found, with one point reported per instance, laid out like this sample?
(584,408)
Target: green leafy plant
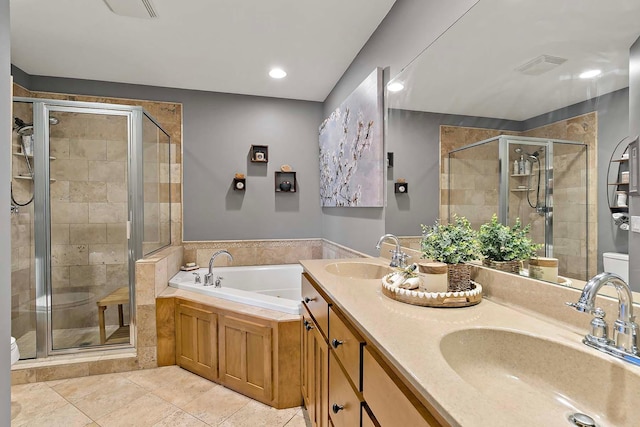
(500,242)
(451,243)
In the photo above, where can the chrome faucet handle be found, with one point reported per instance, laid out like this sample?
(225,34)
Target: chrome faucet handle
(196,278)
(218,282)
(208,279)
(403,259)
(599,329)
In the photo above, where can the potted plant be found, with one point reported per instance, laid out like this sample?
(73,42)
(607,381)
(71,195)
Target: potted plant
(504,247)
(454,244)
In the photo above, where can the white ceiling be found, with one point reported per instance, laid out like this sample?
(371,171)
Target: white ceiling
(213,45)
(470,70)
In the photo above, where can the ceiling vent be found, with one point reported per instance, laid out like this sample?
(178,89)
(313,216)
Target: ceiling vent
(541,65)
(133,8)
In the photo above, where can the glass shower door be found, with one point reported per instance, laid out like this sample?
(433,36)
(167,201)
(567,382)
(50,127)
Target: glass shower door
(89,303)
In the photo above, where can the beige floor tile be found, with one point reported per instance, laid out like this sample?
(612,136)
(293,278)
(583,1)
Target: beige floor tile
(256,414)
(29,401)
(184,390)
(297,421)
(64,416)
(216,405)
(180,419)
(152,379)
(144,411)
(74,389)
(119,392)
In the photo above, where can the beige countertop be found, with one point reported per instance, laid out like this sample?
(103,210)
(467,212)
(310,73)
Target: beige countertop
(410,337)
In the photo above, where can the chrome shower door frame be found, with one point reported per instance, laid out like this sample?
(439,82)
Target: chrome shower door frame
(42,213)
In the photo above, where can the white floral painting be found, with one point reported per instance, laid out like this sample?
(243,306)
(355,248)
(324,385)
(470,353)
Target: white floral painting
(351,149)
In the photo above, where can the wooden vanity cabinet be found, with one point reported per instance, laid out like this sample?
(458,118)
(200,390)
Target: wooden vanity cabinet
(362,389)
(315,371)
(196,346)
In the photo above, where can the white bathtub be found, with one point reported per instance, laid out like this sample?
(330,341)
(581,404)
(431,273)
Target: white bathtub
(276,287)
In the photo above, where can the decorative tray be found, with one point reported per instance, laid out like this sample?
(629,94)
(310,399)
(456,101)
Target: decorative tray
(434,299)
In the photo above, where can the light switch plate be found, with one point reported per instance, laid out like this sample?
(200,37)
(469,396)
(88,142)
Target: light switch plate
(635,224)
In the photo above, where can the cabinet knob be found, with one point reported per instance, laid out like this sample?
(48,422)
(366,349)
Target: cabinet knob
(336,343)
(308,326)
(308,300)
(337,408)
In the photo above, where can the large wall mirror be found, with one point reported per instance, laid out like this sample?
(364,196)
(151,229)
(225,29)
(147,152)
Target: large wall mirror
(518,110)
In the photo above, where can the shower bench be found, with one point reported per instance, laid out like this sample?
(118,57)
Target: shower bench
(120,296)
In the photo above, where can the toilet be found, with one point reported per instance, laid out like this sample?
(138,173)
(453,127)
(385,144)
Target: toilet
(15,353)
(617,263)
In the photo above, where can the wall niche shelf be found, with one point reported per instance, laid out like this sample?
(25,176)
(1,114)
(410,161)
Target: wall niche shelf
(401,187)
(239,184)
(259,153)
(281,180)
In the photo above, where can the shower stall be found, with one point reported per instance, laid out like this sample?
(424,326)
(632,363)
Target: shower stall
(89,196)
(544,182)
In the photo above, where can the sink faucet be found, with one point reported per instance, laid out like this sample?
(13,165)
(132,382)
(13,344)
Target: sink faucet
(208,278)
(625,331)
(398,258)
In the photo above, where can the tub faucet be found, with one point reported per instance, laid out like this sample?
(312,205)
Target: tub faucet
(398,258)
(208,278)
(624,344)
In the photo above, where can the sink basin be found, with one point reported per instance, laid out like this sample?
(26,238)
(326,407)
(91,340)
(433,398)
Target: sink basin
(549,380)
(358,270)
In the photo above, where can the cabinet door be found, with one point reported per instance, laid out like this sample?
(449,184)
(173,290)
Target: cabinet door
(320,379)
(307,362)
(246,357)
(196,349)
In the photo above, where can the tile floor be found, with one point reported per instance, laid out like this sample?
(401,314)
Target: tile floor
(167,396)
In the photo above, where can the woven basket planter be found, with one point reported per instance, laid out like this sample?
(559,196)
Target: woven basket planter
(509,266)
(459,277)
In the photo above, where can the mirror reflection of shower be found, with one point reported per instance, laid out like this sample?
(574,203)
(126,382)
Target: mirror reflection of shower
(526,166)
(25,139)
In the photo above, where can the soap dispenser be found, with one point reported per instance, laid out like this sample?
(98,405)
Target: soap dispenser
(516,167)
(521,165)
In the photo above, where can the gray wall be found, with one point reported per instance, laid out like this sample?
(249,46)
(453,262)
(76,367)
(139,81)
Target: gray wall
(218,130)
(5,244)
(409,27)
(634,129)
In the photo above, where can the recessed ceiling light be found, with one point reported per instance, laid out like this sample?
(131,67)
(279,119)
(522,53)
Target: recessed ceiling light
(277,73)
(590,74)
(395,87)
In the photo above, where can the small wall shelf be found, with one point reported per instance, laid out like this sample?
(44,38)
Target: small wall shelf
(401,187)
(260,153)
(239,184)
(281,178)
(520,190)
(520,174)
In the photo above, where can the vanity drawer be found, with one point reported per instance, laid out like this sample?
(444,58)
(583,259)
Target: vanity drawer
(347,346)
(389,404)
(317,305)
(344,405)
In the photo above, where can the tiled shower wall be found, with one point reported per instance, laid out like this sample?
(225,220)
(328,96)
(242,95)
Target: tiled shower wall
(475,195)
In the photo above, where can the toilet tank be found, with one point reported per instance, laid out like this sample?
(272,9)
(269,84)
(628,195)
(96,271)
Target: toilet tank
(617,263)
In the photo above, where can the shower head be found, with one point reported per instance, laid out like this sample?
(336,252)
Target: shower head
(533,155)
(24,129)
